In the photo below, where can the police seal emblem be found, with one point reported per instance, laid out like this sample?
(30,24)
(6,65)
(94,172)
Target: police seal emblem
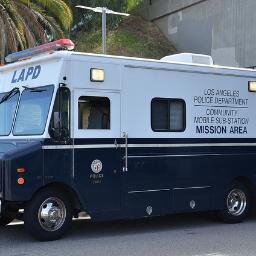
(96,166)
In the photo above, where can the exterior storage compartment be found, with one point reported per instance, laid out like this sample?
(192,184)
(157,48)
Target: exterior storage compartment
(148,203)
(192,199)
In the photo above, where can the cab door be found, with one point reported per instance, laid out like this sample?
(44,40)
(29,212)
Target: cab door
(96,151)
(58,156)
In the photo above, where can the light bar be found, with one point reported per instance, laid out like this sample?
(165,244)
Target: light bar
(61,44)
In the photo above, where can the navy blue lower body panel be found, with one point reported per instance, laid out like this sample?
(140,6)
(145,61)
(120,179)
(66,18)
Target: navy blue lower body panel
(160,179)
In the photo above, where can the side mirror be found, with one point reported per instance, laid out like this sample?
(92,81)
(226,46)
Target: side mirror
(59,128)
(56,120)
(58,131)
(54,130)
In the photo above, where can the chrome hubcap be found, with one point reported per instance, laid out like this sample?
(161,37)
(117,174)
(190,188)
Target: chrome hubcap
(236,202)
(52,214)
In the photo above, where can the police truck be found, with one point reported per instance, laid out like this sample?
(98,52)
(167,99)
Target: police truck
(123,138)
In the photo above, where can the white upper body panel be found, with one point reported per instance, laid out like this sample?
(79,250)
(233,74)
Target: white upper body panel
(214,96)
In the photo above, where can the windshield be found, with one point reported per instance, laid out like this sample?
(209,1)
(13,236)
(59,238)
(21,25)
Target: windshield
(8,105)
(33,110)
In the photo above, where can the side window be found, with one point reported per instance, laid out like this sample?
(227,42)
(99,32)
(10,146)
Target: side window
(93,113)
(60,120)
(168,115)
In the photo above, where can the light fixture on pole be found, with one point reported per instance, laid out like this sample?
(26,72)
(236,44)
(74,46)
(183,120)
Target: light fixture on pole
(104,12)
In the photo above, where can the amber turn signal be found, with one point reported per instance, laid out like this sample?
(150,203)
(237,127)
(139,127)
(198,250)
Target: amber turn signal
(20,181)
(21,170)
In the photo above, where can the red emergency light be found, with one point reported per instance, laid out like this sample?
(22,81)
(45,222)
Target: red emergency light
(61,44)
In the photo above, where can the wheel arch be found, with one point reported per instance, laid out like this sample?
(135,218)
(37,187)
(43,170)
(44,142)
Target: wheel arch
(248,183)
(68,191)
(242,210)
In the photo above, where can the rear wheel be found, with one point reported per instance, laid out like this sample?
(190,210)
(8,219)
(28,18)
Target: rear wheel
(237,204)
(48,215)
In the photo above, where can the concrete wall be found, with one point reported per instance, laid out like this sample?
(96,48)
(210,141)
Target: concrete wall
(225,29)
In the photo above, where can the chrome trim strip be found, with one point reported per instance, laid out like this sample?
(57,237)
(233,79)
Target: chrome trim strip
(191,188)
(150,190)
(188,155)
(192,145)
(79,146)
(151,145)
(58,147)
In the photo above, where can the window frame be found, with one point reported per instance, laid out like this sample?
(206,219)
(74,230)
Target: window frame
(51,113)
(14,115)
(95,129)
(169,100)
(46,121)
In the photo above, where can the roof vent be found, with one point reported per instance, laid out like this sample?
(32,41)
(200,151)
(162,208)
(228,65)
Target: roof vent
(189,58)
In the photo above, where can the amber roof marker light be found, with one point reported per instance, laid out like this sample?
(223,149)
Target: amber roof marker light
(252,86)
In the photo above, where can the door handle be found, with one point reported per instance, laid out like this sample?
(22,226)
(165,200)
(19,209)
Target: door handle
(125,168)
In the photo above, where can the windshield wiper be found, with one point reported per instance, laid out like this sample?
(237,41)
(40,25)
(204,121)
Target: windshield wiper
(9,95)
(34,89)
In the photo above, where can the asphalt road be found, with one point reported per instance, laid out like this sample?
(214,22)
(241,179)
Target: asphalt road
(181,235)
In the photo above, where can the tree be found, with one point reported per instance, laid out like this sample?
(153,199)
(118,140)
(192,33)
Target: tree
(25,23)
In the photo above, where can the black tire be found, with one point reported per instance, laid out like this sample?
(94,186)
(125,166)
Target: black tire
(237,202)
(5,221)
(47,206)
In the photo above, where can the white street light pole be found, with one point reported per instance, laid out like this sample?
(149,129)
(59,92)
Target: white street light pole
(104,31)
(104,12)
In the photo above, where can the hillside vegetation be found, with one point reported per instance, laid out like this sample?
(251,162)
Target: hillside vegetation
(134,37)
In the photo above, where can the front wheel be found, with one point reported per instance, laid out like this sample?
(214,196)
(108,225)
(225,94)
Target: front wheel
(5,221)
(237,204)
(48,215)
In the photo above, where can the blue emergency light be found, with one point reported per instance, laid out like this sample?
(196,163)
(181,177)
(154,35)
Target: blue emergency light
(61,44)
